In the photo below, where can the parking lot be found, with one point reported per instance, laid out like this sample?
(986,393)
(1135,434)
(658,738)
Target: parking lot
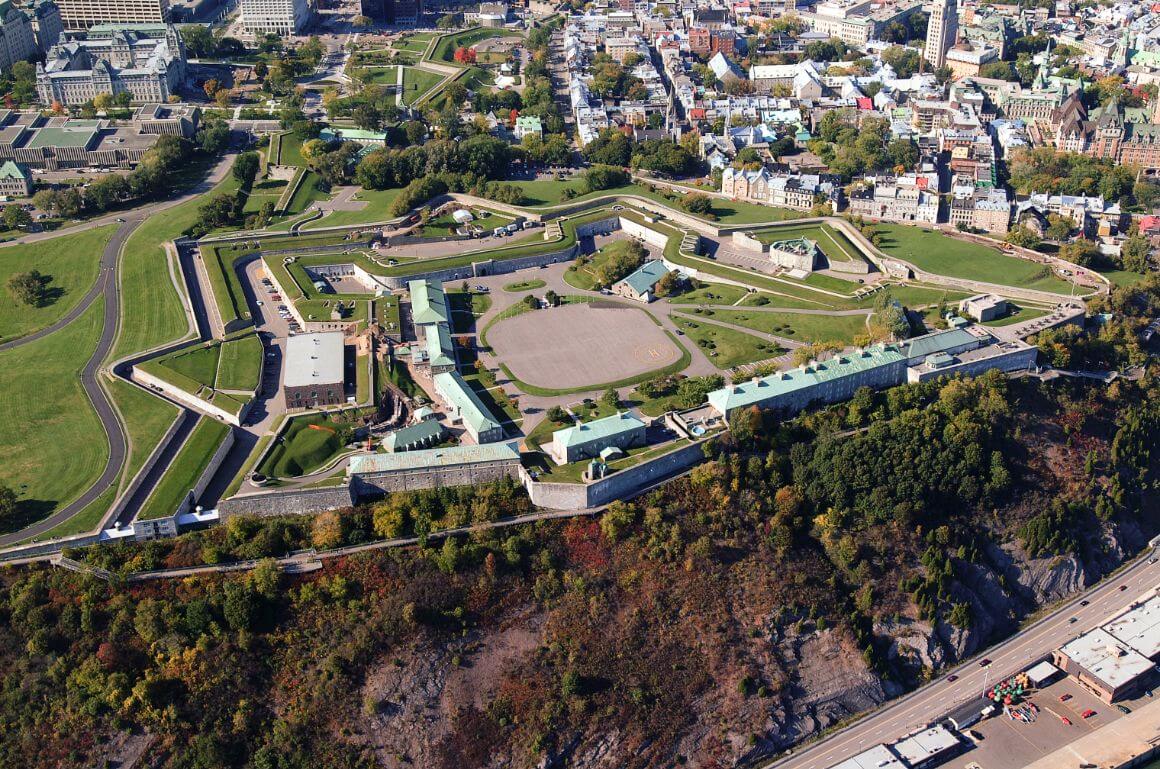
(1009,744)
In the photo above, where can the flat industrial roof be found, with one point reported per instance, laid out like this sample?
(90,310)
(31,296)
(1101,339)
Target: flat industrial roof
(928,743)
(431,458)
(62,136)
(1105,657)
(1139,627)
(314,359)
(877,757)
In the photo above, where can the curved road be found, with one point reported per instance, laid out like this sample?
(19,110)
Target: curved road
(913,711)
(108,286)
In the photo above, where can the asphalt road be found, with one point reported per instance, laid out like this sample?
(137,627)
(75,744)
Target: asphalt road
(108,286)
(932,701)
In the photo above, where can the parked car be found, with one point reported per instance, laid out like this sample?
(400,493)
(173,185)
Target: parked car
(1064,697)
(1087,713)
(1065,719)
(977,736)
(1124,709)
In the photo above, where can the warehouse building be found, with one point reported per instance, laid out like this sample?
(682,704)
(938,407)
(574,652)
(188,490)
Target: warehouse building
(433,468)
(464,405)
(877,757)
(314,370)
(620,431)
(641,284)
(930,747)
(1118,659)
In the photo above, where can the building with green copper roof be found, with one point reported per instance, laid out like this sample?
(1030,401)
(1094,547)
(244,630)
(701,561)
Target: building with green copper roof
(417,436)
(439,348)
(463,404)
(428,303)
(621,431)
(641,284)
(827,381)
(14,180)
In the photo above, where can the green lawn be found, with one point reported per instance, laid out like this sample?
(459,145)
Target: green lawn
(199,363)
(146,418)
(417,82)
(290,153)
(1016,314)
(712,293)
(307,193)
(543,193)
(185,471)
(52,446)
(380,75)
(944,255)
(70,260)
(240,364)
(151,311)
(796,326)
(378,209)
(583,276)
(387,312)
(726,347)
(228,294)
(1122,277)
(445,49)
(308,443)
(524,285)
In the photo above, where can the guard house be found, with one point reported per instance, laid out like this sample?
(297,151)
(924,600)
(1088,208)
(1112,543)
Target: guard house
(983,307)
(619,431)
(463,404)
(641,284)
(314,370)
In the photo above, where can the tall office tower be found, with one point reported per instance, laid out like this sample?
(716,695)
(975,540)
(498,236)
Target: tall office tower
(279,17)
(82,14)
(399,13)
(17,39)
(941,31)
(46,23)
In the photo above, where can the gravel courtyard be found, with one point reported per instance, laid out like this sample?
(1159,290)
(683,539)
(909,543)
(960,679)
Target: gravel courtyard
(581,345)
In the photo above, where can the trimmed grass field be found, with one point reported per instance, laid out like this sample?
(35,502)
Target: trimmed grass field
(240,364)
(939,253)
(417,82)
(70,260)
(726,347)
(52,446)
(524,285)
(445,49)
(308,443)
(378,209)
(187,467)
(796,326)
(1017,314)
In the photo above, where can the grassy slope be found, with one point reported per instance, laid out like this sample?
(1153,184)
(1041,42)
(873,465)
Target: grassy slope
(416,82)
(726,347)
(187,467)
(72,262)
(803,328)
(240,364)
(52,446)
(944,255)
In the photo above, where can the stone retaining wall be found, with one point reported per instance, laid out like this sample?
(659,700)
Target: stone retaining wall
(145,379)
(288,502)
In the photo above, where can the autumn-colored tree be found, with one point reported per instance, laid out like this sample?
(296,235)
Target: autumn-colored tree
(465,55)
(211,87)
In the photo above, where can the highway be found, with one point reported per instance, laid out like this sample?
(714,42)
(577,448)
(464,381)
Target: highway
(910,712)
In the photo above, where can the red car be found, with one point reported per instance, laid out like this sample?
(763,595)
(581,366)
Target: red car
(1087,713)
(1064,697)
(1065,719)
